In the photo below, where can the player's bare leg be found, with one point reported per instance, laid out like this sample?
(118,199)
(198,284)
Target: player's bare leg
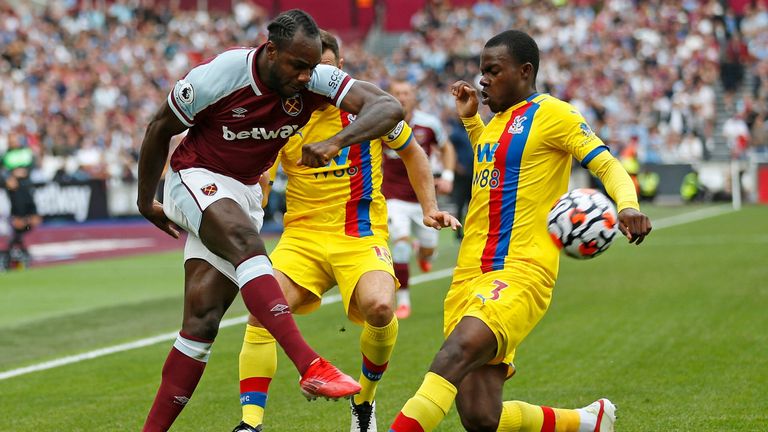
(227,231)
(375,298)
(485,385)
(207,295)
(480,407)
(462,362)
(470,346)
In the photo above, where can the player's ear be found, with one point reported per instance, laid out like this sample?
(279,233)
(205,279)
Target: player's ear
(271,49)
(341,63)
(526,71)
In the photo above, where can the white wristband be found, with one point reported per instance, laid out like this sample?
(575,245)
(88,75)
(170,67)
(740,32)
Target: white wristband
(447,175)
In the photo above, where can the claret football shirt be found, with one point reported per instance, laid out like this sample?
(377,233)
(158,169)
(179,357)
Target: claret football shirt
(236,124)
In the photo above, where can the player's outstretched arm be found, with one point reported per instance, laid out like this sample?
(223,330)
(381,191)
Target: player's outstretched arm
(632,223)
(420,177)
(152,158)
(377,112)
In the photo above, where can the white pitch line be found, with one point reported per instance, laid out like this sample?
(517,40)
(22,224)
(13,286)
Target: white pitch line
(141,343)
(692,216)
(667,222)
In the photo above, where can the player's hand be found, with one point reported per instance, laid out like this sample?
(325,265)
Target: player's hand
(318,154)
(438,219)
(634,225)
(443,187)
(466,99)
(156,215)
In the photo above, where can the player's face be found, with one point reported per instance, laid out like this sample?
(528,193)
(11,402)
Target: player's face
(291,67)
(405,94)
(504,82)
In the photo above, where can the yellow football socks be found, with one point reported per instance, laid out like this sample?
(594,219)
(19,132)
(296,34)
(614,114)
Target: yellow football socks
(258,364)
(428,406)
(376,344)
(517,416)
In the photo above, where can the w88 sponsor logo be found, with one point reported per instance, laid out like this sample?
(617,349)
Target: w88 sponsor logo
(487,177)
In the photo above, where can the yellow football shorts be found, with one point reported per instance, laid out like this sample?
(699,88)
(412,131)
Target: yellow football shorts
(317,261)
(509,301)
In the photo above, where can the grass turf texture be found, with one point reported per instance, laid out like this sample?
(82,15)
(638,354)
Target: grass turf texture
(672,331)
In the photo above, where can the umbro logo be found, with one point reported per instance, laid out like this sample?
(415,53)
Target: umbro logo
(280,309)
(239,112)
(181,400)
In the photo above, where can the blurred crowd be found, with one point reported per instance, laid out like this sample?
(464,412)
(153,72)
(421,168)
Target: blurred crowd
(646,74)
(80,85)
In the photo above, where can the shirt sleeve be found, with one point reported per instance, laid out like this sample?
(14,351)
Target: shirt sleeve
(617,182)
(331,82)
(207,83)
(399,137)
(475,127)
(575,136)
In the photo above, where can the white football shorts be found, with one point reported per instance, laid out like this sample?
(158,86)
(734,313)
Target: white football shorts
(404,216)
(190,191)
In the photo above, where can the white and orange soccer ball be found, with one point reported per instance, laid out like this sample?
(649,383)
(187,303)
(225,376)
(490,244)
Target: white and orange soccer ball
(583,223)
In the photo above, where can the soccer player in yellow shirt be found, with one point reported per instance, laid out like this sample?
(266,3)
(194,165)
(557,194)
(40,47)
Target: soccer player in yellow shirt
(335,232)
(507,264)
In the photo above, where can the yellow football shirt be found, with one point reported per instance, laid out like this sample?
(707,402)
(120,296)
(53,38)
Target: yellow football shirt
(522,165)
(345,195)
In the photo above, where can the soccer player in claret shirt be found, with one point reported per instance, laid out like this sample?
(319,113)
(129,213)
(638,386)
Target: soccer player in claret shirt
(240,108)
(405,212)
(335,232)
(507,264)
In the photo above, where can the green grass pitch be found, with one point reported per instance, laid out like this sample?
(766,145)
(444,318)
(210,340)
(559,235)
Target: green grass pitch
(673,331)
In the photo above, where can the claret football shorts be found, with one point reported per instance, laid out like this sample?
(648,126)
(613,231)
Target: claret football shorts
(318,261)
(190,191)
(509,301)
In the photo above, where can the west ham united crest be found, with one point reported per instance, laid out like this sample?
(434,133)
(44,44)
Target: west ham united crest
(210,189)
(293,106)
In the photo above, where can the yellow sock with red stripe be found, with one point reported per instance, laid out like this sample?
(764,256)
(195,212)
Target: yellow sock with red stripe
(517,416)
(427,408)
(258,364)
(376,344)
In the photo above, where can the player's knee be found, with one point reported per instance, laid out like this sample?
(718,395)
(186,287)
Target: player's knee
(378,312)
(202,324)
(477,419)
(453,362)
(245,241)
(401,251)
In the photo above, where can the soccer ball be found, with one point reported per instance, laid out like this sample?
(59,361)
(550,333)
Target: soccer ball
(583,223)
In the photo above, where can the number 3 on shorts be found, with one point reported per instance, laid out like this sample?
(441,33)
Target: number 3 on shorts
(495,292)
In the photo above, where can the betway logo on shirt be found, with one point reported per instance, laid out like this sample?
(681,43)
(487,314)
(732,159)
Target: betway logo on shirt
(259,133)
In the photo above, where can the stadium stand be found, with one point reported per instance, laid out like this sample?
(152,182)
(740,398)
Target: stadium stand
(670,82)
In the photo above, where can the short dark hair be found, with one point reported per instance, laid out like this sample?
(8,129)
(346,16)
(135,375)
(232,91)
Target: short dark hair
(330,42)
(521,47)
(285,26)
